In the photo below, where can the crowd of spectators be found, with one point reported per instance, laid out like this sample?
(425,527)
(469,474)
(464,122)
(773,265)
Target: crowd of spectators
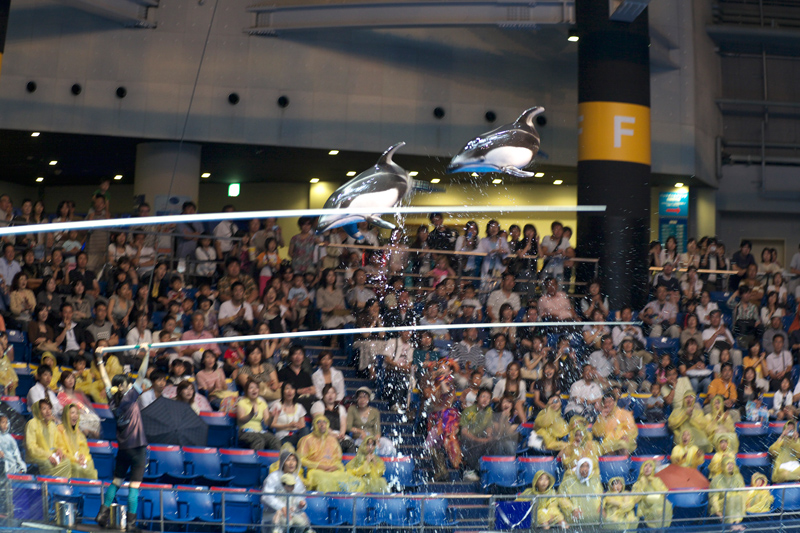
(73,292)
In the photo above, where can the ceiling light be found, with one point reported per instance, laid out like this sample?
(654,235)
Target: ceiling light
(573,36)
(205,175)
(558,182)
(351,173)
(314,180)
(39,180)
(678,185)
(118,177)
(413,173)
(35,134)
(497,180)
(333,152)
(233,189)
(539,175)
(474,174)
(53,163)
(435,180)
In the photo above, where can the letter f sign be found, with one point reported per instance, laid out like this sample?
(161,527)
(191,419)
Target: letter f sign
(619,131)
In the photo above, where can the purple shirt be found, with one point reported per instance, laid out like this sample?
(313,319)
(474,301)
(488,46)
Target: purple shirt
(130,430)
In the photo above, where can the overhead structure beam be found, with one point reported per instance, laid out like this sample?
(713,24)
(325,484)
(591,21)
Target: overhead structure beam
(298,15)
(130,13)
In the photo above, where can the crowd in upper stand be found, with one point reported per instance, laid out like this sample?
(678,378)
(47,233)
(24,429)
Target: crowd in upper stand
(735,337)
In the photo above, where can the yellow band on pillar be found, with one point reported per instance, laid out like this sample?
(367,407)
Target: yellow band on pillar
(613,131)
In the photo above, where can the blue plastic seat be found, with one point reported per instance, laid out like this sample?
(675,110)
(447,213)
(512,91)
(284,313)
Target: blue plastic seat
(166,463)
(396,512)
(242,465)
(528,466)
(90,494)
(499,471)
(108,424)
(103,454)
(787,497)
(205,465)
(436,512)
(26,497)
(196,503)
(512,515)
(612,466)
(663,344)
(22,348)
(320,511)
(751,463)
(221,429)
(753,436)
(242,508)
(400,472)
(688,507)
(16,403)
(150,503)
(58,489)
(654,439)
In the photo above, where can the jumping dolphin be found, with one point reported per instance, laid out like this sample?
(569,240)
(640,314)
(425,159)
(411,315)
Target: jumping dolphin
(383,185)
(507,149)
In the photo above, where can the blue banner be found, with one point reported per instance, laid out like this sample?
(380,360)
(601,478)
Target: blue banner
(673,204)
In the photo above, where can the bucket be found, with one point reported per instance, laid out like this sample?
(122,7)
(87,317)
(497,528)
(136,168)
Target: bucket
(65,514)
(118,517)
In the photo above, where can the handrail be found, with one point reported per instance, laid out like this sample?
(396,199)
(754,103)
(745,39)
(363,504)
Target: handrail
(389,248)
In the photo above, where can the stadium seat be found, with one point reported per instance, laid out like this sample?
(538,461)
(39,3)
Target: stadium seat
(320,511)
(90,494)
(397,512)
(242,465)
(654,439)
(166,463)
(399,472)
(752,436)
(58,489)
(204,464)
(221,429)
(787,497)
(528,466)
(688,507)
(750,463)
(266,458)
(663,344)
(196,503)
(16,403)
(22,348)
(103,456)
(153,498)
(26,497)
(108,424)
(614,466)
(498,471)
(241,508)
(513,515)
(436,512)
(366,511)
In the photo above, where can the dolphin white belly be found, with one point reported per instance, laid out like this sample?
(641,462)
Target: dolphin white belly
(386,198)
(505,156)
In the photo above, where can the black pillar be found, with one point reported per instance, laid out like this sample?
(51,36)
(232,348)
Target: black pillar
(614,149)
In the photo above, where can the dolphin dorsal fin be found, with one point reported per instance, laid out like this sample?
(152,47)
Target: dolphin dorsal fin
(528,115)
(386,157)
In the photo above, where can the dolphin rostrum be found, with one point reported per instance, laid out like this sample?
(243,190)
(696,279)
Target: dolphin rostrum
(507,149)
(383,185)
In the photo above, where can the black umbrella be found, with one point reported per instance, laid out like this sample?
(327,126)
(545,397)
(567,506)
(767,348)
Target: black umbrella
(16,422)
(171,422)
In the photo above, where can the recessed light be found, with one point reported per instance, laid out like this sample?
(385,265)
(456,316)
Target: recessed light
(678,185)
(314,180)
(558,182)
(205,175)
(53,163)
(351,173)
(233,190)
(497,180)
(474,174)
(413,173)
(573,38)
(572,35)
(39,180)
(118,177)
(35,134)
(435,180)
(333,152)
(539,175)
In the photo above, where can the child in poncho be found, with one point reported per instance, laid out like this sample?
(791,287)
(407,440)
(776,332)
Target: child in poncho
(619,512)
(548,510)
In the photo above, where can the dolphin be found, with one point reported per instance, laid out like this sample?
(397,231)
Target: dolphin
(507,149)
(383,185)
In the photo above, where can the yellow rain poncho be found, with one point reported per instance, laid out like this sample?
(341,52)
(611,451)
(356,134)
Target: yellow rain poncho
(94,387)
(686,454)
(581,445)
(50,360)
(370,472)
(619,512)
(581,509)
(690,416)
(652,507)
(321,454)
(551,426)
(72,441)
(548,510)
(786,453)
(758,501)
(731,445)
(8,378)
(41,441)
(618,431)
(733,501)
(719,421)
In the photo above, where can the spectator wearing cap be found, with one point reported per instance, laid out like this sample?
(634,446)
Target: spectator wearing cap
(364,420)
(468,313)
(505,294)
(233,273)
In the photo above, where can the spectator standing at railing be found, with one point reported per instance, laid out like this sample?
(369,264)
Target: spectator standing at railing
(740,261)
(9,268)
(666,278)
(187,233)
(714,259)
(553,249)
(6,214)
(97,240)
(301,246)
(441,237)
(670,252)
(496,249)
(83,273)
(148,232)
(223,233)
(692,255)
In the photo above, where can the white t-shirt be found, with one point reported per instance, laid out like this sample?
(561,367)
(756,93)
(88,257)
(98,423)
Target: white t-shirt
(703,312)
(229,309)
(554,264)
(225,230)
(282,418)
(725,336)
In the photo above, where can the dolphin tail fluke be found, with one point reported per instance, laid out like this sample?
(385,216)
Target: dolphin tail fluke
(514,171)
(528,115)
(386,157)
(378,221)
(352,231)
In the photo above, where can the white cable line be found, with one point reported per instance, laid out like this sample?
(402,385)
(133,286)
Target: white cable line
(288,213)
(355,331)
